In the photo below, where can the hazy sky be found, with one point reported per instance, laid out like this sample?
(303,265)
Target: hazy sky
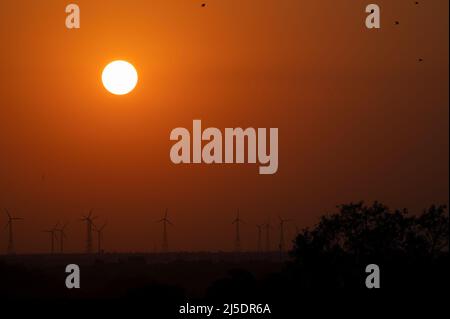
(359,117)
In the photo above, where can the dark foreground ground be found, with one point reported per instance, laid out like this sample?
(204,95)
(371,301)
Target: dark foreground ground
(118,275)
(161,283)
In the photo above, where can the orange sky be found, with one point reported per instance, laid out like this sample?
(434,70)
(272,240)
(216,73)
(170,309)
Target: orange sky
(358,116)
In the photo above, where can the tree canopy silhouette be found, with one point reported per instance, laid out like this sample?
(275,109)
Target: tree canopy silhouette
(362,230)
(339,246)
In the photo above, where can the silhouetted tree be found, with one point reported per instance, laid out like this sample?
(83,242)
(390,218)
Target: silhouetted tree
(432,226)
(341,244)
(375,230)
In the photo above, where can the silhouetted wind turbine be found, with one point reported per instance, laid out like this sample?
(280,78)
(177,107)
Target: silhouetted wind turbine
(282,221)
(165,221)
(297,233)
(62,236)
(52,233)
(10,235)
(237,242)
(89,224)
(260,228)
(267,228)
(99,231)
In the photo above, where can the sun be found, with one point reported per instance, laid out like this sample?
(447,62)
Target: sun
(119,77)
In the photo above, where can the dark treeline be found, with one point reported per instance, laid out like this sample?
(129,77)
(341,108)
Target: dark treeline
(411,250)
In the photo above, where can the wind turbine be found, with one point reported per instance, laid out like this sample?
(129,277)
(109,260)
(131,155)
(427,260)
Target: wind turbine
(62,236)
(297,231)
(282,221)
(10,236)
(89,224)
(165,221)
(267,228)
(237,243)
(52,233)
(260,228)
(99,231)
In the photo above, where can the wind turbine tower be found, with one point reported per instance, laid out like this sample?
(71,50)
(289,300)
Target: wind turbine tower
(237,242)
(62,236)
(165,242)
(89,226)
(267,228)
(11,219)
(52,233)
(282,243)
(99,231)
(260,228)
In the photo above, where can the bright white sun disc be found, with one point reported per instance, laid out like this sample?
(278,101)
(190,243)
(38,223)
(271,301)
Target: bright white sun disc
(119,77)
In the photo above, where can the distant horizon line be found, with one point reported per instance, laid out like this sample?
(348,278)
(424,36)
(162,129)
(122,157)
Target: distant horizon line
(145,253)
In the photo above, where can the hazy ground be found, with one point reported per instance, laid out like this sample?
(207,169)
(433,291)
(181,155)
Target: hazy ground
(112,275)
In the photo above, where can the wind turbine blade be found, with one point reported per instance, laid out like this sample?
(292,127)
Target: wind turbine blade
(7,213)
